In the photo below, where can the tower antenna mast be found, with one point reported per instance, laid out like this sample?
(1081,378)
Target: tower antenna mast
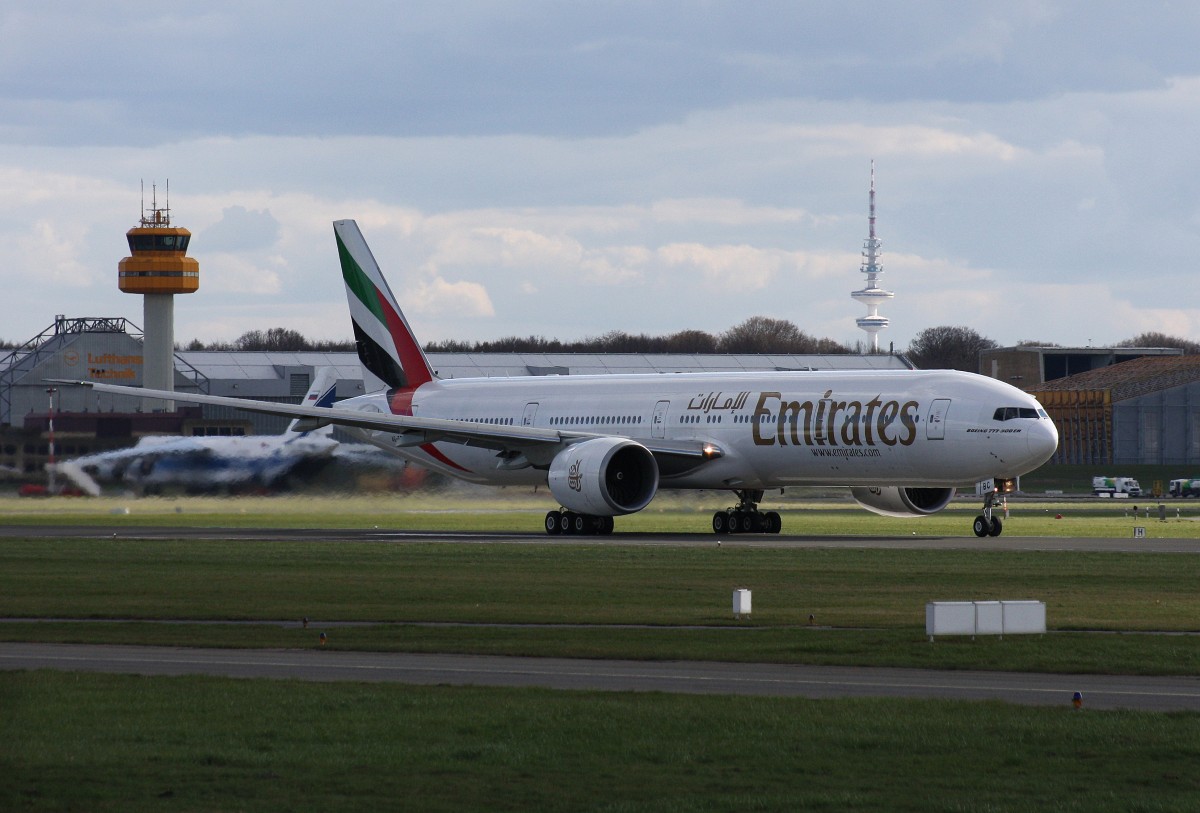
(872,296)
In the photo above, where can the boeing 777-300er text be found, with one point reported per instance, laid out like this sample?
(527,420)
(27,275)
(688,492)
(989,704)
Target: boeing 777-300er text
(901,440)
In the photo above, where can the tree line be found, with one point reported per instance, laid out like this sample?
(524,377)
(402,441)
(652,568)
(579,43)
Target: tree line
(943,347)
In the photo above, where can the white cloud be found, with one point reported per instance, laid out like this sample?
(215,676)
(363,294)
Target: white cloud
(225,274)
(719,267)
(53,256)
(436,297)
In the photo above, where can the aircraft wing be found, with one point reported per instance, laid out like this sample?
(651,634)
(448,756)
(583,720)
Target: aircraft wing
(412,430)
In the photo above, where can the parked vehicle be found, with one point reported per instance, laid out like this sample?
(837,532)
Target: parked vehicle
(1184,488)
(1116,486)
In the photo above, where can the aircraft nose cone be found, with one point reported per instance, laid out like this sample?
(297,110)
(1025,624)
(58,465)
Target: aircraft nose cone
(1043,442)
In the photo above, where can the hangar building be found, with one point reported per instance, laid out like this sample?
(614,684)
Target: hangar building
(1026,367)
(1142,411)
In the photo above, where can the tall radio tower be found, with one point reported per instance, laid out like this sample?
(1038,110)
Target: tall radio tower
(872,296)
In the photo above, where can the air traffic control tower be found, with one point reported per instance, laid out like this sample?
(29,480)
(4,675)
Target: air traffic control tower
(158,269)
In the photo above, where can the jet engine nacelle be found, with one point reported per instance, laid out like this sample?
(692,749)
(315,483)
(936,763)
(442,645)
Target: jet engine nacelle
(891,501)
(604,477)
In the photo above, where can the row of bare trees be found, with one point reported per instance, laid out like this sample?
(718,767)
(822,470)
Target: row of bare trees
(945,347)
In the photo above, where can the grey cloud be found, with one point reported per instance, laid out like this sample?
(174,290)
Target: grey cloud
(239,229)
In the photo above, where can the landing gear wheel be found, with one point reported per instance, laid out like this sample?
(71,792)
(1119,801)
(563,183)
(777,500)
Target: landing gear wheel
(564,522)
(606,525)
(579,523)
(553,518)
(986,524)
(745,518)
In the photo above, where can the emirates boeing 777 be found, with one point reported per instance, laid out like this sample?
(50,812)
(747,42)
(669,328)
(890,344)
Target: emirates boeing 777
(902,441)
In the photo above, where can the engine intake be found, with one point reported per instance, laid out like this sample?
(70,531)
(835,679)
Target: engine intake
(891,501)
(604,477)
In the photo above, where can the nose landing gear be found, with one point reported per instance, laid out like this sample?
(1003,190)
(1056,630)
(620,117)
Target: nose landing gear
(985,523)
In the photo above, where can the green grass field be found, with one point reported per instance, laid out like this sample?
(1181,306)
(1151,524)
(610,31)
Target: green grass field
(576,597)
(95,742)
(523,510)
(119,743)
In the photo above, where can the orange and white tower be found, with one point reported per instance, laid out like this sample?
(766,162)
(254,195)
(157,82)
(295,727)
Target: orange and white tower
(158,269)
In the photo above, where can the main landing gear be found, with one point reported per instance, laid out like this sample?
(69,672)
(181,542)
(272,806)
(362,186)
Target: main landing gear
(745,516)
(985,523)
(568,522)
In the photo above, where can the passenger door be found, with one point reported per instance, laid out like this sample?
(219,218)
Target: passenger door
(658,426)
(935,421)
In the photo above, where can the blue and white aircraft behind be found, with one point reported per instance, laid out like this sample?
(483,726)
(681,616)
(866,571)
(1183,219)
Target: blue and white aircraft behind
(156,463)
(902,441)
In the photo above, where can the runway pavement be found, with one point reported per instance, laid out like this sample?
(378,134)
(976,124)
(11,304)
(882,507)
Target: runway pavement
(385,535)
(1099,691)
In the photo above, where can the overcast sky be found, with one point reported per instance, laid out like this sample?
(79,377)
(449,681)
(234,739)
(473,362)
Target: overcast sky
(565,169)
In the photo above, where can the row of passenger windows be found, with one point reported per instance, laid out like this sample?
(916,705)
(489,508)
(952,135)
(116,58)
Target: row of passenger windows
(707,418)
(606,420)
(840,419)
(601,420)
(631,420)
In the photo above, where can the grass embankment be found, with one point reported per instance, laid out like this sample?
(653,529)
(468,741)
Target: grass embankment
(605,600)
(498,510)
(119,743)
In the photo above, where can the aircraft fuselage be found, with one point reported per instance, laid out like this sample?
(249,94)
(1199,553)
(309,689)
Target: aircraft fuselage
(918,428)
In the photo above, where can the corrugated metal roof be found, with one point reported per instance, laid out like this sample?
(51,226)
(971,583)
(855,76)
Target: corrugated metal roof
(1130,379)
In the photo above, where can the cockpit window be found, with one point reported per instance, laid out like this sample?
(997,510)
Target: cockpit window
(1011,413)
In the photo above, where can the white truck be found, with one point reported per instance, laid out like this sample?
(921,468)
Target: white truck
(1184,488)
(1116,487)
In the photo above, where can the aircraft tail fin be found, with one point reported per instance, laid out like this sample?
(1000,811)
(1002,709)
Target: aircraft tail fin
(390,355)
(75,473)
(320,394)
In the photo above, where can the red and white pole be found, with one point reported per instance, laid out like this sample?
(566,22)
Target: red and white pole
(53,485)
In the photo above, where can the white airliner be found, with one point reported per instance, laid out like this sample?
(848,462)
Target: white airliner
(605,444)
(221,462)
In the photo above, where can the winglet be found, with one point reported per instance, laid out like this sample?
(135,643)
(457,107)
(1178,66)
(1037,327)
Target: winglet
(387,348)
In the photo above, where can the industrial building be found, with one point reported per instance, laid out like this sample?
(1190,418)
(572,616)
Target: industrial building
(1142,411)
(1027,367)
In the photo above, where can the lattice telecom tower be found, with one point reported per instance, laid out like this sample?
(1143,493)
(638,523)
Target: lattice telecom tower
(158,269)
(872,296)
